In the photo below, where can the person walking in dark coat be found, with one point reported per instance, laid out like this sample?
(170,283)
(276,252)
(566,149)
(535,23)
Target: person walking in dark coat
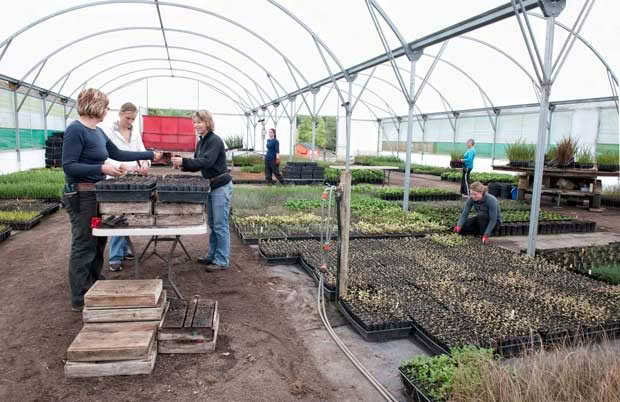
(272,158)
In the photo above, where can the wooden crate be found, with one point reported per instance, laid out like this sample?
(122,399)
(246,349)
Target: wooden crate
(179,220)
(122,208)
(189,327)
(135,220)
(122,342)
(166,208)
(93,315)
(124,294)
(75,369)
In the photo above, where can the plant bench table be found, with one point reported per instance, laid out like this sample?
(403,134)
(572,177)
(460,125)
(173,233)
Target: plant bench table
(386,170)
(172,234)
(550,177)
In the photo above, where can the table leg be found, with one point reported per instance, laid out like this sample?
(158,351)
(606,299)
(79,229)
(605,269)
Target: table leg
(146,248)
(136,261)
(189,258)
(170,273)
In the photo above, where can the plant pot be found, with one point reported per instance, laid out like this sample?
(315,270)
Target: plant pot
(456,164)
(608,168)
(519,163)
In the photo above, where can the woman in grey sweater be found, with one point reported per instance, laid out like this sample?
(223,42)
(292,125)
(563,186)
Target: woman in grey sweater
(488,214)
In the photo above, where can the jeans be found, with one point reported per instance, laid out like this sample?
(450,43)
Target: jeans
(218,209)
(86,259)
(271,168)
(465,180)
(118,249)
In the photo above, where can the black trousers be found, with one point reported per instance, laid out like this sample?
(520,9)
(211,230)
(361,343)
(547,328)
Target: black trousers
(476,225)
(86,259)
(465,180)
(271,168)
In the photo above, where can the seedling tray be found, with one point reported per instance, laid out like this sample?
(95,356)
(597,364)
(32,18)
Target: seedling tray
(430,342)
(26,225)
(50,209)
(329,292)
(399,330)
(5,234)
(412,391)
(190,197)
(278,260)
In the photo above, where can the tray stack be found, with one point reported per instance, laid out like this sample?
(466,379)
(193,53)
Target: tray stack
(148,202)
(119,337)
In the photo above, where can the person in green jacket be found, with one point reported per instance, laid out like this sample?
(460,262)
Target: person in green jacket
(468,166)
(488,214)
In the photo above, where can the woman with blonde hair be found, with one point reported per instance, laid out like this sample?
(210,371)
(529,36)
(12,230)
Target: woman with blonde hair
(121,133)
(210,160)
(488,214)
(84,150)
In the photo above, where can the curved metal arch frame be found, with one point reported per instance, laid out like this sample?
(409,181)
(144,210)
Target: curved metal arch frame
(135,81)
(121,29)
(163,59)
(172,70)
(288,62)
(258,86)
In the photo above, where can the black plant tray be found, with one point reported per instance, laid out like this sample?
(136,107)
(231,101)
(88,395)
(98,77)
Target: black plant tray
(515,346)
(5,234)
(433,345)
(189,197)
(278,260)
(26,225)
(50,209)
(414,394)
(123,195)
(373,335)
(329,292)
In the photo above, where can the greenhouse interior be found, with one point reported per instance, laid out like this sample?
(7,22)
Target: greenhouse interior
(281,200)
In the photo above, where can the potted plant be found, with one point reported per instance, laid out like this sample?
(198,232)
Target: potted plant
(234,142)
(567,148)
(608,161)
(584,158)
(520,154)
(551,155)
(456,160)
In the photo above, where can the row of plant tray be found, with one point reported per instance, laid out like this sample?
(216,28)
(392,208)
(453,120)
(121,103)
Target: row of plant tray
(389,330)
(546,227)
(25,225)
(429,197)
(5,234)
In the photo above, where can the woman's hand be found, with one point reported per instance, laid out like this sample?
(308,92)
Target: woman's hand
(143,170)
(111,170)
(157,156)
(177,162)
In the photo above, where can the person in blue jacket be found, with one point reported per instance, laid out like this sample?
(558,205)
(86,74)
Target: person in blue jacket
(468,166)
(272,158)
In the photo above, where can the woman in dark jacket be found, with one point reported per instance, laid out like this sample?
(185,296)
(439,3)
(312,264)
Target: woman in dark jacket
(210,160)
(488,213)
(84,151)
(272,158)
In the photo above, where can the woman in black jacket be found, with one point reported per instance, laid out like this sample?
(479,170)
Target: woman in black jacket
(210,160)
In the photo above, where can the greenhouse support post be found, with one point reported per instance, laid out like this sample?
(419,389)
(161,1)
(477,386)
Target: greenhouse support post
(542,133)
(345,215)
(17,136)
(411,101)
(378,136)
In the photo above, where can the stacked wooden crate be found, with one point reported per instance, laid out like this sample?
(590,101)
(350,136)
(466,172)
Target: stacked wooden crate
(189,327)
(119,337)
(150,213)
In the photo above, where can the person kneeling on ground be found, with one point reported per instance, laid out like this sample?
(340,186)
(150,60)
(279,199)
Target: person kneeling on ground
(488,213)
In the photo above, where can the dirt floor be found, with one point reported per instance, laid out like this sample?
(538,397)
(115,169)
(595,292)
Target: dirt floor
(259,355)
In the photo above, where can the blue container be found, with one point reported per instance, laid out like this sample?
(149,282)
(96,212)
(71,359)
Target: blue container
(514,192)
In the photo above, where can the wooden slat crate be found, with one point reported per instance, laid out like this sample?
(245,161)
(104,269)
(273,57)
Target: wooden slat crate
(156,313)
(179,220)
(189,327)
(121,208)
(165,208)
(135,220)
(95,344)
(124,294)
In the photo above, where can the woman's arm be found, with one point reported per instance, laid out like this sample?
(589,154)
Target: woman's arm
(465,212)
(126,156)
(493,207)
(206,159)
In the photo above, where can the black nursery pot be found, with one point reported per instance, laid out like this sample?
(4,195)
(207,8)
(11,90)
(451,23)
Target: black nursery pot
(608,168)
